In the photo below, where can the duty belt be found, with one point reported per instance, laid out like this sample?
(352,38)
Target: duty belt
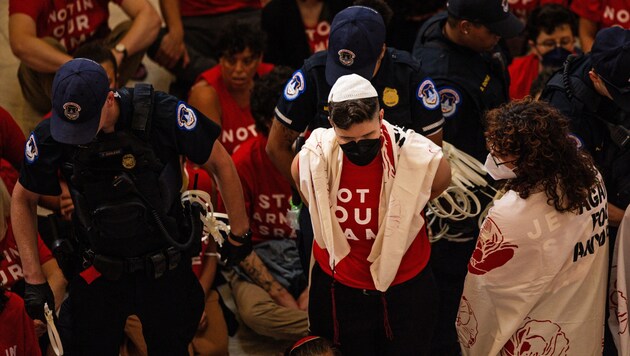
(155,264)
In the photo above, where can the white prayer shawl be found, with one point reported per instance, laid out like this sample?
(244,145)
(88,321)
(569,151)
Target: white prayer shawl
(536,282)
(619,283)
(405,190)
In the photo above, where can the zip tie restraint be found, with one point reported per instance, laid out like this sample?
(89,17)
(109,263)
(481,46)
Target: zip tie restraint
(53,335)
(212,226)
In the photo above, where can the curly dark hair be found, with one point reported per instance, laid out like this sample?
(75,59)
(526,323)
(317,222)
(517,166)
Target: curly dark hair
(548,158)
(265,95)
(238,36)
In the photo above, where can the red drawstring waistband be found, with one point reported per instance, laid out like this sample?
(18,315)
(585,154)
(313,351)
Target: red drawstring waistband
(388,329)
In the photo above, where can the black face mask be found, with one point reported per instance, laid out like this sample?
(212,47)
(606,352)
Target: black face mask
(555,58)
(362,152)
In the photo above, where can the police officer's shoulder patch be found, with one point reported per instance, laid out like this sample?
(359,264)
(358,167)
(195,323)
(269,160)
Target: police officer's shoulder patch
(186,117)
(451,100)
(295,86)
(31,152)
(427,94)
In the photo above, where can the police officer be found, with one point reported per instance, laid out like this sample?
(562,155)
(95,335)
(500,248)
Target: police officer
(119,152)
(593,91)
(459,50)
(356,45)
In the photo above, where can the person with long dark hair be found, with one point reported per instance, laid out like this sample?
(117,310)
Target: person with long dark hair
(537,278)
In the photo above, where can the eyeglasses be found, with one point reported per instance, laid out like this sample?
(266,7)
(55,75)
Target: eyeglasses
(501,163)
(551,44)
(498,163)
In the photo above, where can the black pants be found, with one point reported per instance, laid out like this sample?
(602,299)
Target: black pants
(450,266)
(411,310)
(169,308)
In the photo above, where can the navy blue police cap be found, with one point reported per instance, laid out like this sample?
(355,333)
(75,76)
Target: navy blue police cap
(356,39)
(610,56)
(79,92)
(494,14)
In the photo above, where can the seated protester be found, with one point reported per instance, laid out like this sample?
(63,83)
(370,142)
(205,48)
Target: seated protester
(366,183)
(536,281)
(11,272)
(11,149)
(269,287)
(17,334)
(550,32)
(222,93)
(45,34)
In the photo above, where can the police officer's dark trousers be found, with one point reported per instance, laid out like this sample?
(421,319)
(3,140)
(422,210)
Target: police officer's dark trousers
(169,308)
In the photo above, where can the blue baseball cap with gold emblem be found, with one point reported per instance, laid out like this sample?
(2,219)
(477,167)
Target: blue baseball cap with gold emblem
(79,92)
(356,39)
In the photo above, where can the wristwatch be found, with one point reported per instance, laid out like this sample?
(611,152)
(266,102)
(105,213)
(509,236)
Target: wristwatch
(120,48)
(246,237)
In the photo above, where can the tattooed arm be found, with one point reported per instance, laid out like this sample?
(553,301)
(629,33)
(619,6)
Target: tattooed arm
(258,272)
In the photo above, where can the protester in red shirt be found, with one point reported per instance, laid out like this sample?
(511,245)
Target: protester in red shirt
(223,92)
(550,32)
(11,149)
(45,33)
(17,334)
(366,183)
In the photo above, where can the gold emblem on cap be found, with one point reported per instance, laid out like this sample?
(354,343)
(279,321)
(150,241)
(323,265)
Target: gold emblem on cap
(129,161)
(390,97)
(71,110)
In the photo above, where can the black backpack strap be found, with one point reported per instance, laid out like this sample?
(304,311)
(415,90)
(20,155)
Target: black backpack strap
(142,109)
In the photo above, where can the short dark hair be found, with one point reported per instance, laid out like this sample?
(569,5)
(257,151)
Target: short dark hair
(347,113)
(240,35)
(265,95)
(97,52)
(547,18)
(380,6)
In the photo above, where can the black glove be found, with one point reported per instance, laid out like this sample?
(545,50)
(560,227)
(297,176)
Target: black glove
(35,296)
(233,255)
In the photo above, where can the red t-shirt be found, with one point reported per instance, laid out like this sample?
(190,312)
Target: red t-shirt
(265,190)
(522,8)
(11,264)
(607,13)
(357,212)
(237,123)
(11,149)
(318,36)
(523,71)
(71,22)
(17,332)
(216,7)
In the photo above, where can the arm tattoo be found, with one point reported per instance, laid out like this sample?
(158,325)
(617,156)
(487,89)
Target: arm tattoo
(258,272)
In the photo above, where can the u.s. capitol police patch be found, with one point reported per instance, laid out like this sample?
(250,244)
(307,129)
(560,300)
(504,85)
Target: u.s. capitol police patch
(428,95)
(451,101)
(186,117)
(31,152)
(295,87)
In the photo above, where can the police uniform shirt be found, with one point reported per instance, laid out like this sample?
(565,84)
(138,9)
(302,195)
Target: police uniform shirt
(177,129)
(469,84)
(588,112)
(406,94)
